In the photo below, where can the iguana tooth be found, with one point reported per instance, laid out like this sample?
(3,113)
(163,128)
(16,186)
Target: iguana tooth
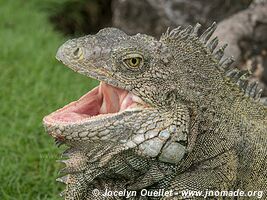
(213,44)
(207,34)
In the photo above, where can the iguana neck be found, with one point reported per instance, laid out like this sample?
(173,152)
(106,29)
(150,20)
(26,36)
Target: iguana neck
(230,100)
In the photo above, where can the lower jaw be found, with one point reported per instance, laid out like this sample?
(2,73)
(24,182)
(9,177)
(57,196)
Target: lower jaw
(90,129)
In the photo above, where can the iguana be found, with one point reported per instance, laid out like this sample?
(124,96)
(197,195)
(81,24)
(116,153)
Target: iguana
(168,114)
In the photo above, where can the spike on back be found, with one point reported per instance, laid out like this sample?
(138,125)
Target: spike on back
(213,44)
(224,64)
(220,53)
(207,34)
(196,29)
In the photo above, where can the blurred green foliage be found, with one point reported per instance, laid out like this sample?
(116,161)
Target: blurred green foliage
(32,84)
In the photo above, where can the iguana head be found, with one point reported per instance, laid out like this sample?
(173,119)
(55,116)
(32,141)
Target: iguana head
(122,63)
(131,106)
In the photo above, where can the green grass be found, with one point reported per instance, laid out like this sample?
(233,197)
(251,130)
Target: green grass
(32,84)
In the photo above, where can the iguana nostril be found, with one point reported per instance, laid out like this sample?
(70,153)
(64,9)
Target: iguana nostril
(78,52)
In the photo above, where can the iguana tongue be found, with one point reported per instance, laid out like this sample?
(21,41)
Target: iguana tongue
(113,98)
(103,99)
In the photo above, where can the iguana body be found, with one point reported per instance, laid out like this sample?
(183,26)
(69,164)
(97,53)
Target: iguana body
(168,113)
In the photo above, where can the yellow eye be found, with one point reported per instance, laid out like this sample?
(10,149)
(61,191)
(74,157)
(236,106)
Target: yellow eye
(134,62)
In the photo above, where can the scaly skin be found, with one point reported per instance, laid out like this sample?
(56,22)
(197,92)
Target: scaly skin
(197,125)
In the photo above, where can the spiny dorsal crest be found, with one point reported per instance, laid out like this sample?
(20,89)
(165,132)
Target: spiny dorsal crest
(191,34)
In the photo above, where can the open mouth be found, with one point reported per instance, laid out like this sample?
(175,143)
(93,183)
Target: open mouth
(103,100)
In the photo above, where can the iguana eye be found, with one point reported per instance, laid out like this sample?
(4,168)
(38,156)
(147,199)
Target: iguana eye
(133,61)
